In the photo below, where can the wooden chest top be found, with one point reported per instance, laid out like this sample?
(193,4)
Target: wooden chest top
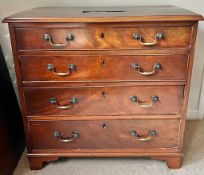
(105,14)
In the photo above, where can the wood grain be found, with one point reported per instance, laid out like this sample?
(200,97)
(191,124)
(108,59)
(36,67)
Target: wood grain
(100,67)
(113,38)
(20,85)
(105,14)
(104,101)
(115,136)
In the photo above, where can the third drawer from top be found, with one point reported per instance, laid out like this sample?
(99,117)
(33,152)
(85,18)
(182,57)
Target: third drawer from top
(126,100)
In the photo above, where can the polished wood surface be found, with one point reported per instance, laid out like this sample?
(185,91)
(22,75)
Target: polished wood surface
(104,101)
(103,50)
(102,38)
(99,68)
(110,134)
(105,14)
(99,117)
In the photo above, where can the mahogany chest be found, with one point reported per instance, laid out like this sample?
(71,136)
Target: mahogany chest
(110,81)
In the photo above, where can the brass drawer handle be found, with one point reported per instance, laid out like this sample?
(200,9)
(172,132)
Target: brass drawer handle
(158,36)
(148,137)
(154,99)
(155,67)
(71,68)
(71,102)
(75,134)
(48,38)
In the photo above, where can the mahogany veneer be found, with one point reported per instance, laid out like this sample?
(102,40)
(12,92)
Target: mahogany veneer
(101,38)
(100,67)
(106,134)
(110,81)
(104,100)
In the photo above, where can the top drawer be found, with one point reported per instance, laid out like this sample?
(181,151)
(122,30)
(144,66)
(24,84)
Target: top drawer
(90,38)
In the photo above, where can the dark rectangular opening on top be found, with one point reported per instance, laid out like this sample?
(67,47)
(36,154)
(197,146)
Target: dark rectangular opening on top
(103,11)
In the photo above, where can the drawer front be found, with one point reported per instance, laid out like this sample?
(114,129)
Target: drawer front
(103,38)
(105,134)
(103,68)
(131,100)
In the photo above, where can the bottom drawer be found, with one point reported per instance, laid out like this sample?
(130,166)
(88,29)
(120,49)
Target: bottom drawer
(105,134)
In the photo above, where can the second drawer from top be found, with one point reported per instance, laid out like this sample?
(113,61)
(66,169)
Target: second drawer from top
(104,68)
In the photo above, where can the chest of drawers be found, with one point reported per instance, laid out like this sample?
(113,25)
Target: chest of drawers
(104,81)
